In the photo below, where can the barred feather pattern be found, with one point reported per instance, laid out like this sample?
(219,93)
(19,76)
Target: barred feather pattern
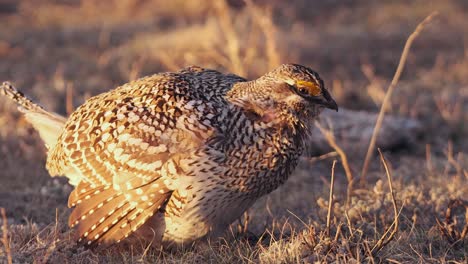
(23,102)
(181,155)
(49,125)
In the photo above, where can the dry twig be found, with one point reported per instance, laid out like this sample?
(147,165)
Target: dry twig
(264,20)
(168,61)
(5,241)
(388,95)
(230,35)
(429,165)
(330,198)
(332,141)
(448,227)
(243,226)
(69,98)
(451,160)
(325,156)
(389,234)
(135,69)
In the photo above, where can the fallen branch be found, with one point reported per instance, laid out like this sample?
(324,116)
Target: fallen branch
(353,129)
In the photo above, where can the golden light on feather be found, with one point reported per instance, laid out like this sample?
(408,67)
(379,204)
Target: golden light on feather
(312,88)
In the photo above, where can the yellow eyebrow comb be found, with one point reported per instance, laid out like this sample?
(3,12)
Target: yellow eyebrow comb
(312,88)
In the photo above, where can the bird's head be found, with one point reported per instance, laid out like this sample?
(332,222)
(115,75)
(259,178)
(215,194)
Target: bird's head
(293,91)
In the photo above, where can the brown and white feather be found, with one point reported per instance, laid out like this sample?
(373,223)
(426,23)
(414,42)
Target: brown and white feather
(178,155)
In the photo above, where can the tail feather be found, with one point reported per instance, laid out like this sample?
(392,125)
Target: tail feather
(105,216)
(23,102)
(82,189)
(129,223)
(108,231)
(90,205)
(49,125)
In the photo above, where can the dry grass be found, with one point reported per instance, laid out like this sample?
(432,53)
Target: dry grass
(388,94)
(413,208)
(344,159)
(5,240)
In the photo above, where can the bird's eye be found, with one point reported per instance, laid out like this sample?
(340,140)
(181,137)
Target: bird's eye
(303,90)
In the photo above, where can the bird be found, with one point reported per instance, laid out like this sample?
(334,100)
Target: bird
(175,157)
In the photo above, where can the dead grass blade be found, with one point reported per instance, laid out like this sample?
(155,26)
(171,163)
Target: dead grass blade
(243,225)
(325,156)
(69,98)
(389,92)
(389,234)
(135,69)
(5,241)
(451,160)
(168,61)
(429,165)
(52,246)
(330,198)
(448,227)
(232,40)
(332,141)
(265,22)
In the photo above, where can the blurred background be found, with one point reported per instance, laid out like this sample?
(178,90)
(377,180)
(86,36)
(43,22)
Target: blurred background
(92,46)
(60,52)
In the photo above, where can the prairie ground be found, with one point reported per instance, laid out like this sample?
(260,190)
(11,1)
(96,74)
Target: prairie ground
(62,52)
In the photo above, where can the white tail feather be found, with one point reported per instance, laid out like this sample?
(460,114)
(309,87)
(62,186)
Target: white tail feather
(49,125)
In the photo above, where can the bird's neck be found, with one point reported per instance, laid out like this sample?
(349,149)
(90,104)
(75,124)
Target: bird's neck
(244,91)
(256,101)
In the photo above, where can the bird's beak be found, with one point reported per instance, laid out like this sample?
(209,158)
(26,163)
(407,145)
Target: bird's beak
(331,104)
(328,101)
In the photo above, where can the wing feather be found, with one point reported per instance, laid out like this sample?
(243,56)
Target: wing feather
(123,143)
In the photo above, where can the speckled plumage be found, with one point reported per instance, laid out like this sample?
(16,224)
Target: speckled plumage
(174,156)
